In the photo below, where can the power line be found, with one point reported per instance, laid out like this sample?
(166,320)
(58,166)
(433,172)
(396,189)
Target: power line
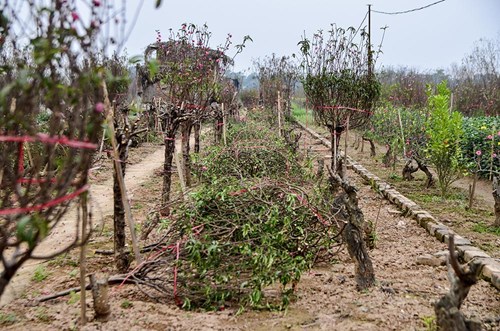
(407,11)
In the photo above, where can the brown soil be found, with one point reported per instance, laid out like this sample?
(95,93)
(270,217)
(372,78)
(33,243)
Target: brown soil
(326,296)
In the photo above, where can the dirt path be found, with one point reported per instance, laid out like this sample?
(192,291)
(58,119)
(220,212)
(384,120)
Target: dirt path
(101,204)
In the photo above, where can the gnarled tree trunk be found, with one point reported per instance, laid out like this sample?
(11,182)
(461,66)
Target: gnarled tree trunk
(496,196)
(408,170)
(348,209)
(372,146)
(448,314)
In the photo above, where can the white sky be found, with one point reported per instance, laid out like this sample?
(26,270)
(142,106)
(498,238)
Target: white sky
(432,38)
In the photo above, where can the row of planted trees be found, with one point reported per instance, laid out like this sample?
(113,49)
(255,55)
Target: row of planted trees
(182,84)
(54,100)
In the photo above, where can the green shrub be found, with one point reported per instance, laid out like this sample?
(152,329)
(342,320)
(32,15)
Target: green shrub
(444,138)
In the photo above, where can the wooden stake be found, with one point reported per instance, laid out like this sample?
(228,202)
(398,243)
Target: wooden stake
(121,181)
(402,133)
(279,113)
(83,265)
(179,172)
(101,147)
(224,125)
(345,142)
(472,189)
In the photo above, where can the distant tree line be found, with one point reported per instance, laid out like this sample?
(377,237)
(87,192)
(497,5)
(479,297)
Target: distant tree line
(475,82)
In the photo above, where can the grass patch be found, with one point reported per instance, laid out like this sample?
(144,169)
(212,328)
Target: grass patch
(126,304)
(63,261)
(301,115)
(74,297)
(42,315)
(482,227)
(7,318)
(429,323)
(41,273)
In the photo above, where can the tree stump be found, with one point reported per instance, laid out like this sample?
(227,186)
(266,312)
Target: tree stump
(99,285)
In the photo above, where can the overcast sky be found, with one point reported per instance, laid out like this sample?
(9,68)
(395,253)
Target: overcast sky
(431,38)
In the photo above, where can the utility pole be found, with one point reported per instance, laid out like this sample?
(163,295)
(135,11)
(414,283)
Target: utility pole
(370,59)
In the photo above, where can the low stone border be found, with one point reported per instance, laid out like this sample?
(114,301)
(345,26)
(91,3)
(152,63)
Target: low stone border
(490,268)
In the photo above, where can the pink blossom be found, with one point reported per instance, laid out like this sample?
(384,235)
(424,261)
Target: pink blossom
(499,133)
(99,107)
(494,155)
(204,168)
(478,153)
(75,16)
(96,3)
(490,137)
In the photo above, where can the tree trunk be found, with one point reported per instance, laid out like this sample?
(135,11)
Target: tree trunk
(170,131)
(218,130)
(121,255)
(372,146)
(496,196)
(10,270)
(348,210)
(197,131)
(430,180)
(409,169)
(447,309)
(387,157)
(335,134)
(186,161)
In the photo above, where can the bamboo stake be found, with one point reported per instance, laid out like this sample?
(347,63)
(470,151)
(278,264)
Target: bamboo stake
(472,189)
(279,114)
(101,147)
(83,262)
(334,161)
(181,175)
(28,151)
(224,125)
(402,132)
(119,173)
(345,142)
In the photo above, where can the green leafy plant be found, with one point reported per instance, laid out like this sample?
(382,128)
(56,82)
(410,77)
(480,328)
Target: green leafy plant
(429,323)
(445,136)
(42,315)
(253,223)
(41,273)
(8,318)
(482,227)
(74,297)
(126,304)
